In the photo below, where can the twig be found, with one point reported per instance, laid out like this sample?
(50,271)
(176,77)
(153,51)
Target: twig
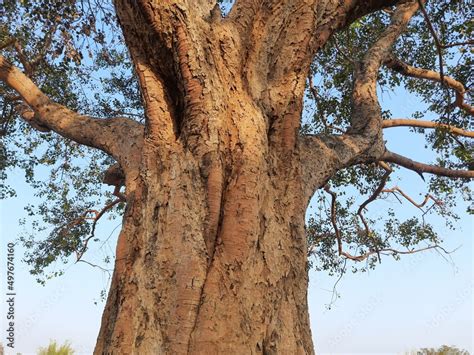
(375,194)
(314,92)
(94,265)
(428,197)
(435,37)
(98,215)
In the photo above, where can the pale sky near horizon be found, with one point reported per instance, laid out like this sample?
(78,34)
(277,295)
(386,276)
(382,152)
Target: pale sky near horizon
(420,301)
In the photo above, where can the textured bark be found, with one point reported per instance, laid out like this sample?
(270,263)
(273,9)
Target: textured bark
(212,256)
(181,286)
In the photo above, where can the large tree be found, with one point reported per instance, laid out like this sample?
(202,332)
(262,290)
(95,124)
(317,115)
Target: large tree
(201,112)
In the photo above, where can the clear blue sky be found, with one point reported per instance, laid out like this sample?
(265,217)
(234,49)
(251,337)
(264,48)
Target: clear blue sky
(420,301)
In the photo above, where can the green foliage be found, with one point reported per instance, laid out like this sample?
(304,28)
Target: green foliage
(54,349)
(83,64)
(330,112)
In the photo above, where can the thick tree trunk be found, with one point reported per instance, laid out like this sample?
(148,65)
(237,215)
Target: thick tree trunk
(212,256)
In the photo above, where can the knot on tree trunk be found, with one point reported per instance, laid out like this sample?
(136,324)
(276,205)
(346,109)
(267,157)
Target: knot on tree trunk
(114,176)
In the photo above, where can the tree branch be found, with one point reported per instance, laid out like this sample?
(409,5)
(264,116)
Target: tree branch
(428,197)
(163,37)
(363,142)
(118,137)
(364,256)
(456,44)
(372,198)
(366,117)
(403,122)
(413,72)
(436,40)
(98,215)
(314,92)
(421,168)
(279,40)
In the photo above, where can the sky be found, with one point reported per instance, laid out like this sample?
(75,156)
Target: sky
(423,300)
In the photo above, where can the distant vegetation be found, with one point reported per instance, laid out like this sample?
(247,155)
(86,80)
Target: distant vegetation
(54,349)
(443,350)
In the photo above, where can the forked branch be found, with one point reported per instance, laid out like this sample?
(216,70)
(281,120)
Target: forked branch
(279,40)
(420,205)
(364,256)
(373,197)
(95,219)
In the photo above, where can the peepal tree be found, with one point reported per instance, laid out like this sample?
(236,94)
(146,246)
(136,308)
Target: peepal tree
(198,114)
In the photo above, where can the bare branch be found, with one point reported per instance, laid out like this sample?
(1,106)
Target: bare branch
(421,168)
(428,197)
(373,197)
(118,137)
(466,43)
(402,122)
(436,39)
(340,251)
(108,271)
(364,256)
(410,71)
(95,219)
(392,251)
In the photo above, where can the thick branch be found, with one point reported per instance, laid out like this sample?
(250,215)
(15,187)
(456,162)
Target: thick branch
(363,142)
(402,122)
(366,117)
(413,72)
(279,40)
(164,39)
(118,137)
(425,168)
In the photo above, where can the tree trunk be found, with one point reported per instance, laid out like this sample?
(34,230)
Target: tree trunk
(212,255)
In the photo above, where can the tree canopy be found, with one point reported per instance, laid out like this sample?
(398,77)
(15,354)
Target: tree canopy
(75,53)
